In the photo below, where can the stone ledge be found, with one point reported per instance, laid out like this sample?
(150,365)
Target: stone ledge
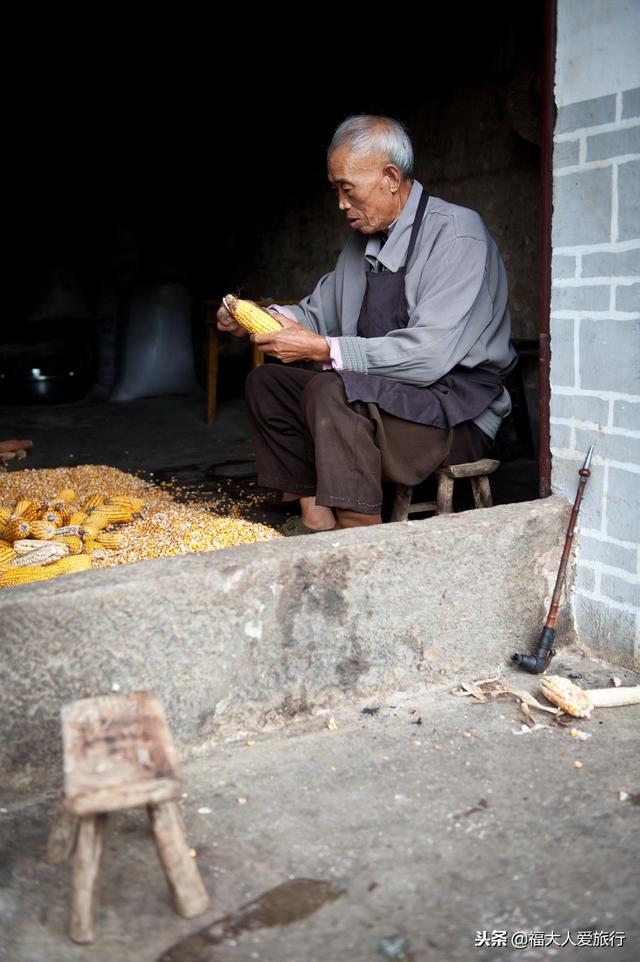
(252,635)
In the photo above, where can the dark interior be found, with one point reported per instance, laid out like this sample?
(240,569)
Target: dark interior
(211,174)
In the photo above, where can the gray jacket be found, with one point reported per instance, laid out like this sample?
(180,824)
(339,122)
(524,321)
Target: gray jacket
(456,290)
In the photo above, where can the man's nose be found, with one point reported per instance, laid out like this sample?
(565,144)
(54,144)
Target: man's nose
(343,202)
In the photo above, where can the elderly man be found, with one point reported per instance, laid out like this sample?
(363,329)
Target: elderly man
(409,338)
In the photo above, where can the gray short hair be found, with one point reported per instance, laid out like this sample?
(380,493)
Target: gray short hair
(370,134)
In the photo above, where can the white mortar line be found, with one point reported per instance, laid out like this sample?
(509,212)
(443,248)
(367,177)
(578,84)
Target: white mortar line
(609,570)
(578,272)
(577,283)
(602,395)
(583,425)
(595,316)
(608,539)
(573,454)
(582,150)
(612,127)
(576,353)
(605,493)
(594,165)
(624,280)
(614,207)
(610,602)
(619,107)
(629,466)
(605,247)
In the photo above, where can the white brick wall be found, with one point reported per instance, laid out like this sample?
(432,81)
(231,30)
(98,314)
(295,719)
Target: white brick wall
(595,343)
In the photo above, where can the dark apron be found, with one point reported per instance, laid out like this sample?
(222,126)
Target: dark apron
(460,395)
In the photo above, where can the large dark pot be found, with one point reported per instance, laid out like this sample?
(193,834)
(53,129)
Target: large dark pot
(45,368)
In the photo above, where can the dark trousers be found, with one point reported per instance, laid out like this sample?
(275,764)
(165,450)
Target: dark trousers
(308,439)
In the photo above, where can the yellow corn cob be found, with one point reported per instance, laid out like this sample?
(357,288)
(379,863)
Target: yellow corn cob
(21,576)
(43,530)
(25,510)
(133,504)
(250,316)
(63,499)
(78,517)
(15,529)
(7,553)
(93,502)
(103,517)
(97,521)
(89,546)
(5,514)
(53,517)
(110,539)
(569,697)
(90,532)
(73,541)
(65,516)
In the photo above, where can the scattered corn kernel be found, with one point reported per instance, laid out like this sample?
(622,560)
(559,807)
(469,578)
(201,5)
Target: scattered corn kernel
(104,497)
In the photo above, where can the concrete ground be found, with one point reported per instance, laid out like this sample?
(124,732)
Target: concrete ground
(416,824)
(424,820)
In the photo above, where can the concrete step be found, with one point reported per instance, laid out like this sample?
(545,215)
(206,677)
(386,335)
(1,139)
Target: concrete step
(247,637)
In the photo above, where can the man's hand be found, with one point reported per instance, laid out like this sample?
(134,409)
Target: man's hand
(293,343)
(13,449)
(226,323)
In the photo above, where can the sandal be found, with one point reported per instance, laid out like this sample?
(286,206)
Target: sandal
(293,526)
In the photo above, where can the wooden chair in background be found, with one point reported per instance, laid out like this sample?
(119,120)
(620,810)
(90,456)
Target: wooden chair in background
(257,357)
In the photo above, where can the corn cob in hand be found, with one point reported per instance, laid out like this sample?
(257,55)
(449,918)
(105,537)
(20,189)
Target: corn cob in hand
(250,316)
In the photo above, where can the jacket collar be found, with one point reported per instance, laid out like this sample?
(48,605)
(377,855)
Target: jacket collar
(392,253)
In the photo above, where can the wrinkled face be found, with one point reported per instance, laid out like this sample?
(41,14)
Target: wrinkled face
(367,188)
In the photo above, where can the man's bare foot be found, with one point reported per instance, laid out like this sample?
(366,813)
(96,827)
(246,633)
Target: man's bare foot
(355,519)
(316,516)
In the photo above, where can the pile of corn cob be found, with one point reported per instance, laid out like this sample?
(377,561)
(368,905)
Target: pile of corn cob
(39,540)
(165,527)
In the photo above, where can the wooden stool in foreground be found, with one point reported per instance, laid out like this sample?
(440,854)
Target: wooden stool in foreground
(477,471)
(118,753)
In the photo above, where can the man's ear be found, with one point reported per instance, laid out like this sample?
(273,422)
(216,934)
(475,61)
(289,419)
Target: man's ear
(393,176)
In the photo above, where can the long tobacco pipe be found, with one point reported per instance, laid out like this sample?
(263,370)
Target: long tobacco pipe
(544,653)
